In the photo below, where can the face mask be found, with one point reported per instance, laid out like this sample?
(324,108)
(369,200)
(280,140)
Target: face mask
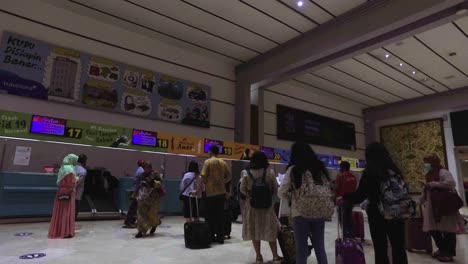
(427,168)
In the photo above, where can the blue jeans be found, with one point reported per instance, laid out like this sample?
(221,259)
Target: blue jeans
(302,228)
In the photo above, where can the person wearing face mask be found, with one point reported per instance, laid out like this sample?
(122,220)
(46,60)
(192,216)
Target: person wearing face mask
(443,228)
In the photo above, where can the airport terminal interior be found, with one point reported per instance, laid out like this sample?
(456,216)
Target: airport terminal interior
(122,84)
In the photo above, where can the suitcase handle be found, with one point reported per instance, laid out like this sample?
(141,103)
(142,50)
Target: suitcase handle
(190,205)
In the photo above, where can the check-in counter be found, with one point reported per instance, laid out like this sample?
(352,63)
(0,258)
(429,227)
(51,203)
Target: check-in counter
(26,194)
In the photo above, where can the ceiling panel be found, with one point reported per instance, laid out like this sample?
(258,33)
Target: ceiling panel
(425,60)
(389,71)
(286,15)
(357,85)
(338,7)
(392,60)
(247,17)
(338,89)
(203,20)
(437,38)
(463,24)
(371,76)
(171,27)
(310,10)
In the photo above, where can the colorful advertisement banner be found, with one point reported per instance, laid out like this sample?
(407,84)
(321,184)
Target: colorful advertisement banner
(37,69)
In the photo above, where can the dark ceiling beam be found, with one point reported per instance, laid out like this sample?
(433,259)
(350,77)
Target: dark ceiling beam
(374,24)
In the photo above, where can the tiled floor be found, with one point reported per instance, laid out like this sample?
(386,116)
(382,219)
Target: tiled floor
(106,242)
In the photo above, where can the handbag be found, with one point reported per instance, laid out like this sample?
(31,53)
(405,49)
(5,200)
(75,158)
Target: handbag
(162,192)
(314,201)
(284,207)
(445,203)
(181,195)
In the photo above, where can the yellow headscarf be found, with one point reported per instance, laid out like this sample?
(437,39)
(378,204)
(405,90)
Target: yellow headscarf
(68,166)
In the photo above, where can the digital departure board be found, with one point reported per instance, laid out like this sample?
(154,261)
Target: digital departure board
(48,125)
(211,142)
(298,125)
(269,152)
(144,138)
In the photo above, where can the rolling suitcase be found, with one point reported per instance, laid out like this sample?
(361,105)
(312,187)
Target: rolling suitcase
(348,251)
(416,239)
(287,245)
(197,235)
(358,225)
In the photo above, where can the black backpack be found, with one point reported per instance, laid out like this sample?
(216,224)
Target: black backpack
(261,193)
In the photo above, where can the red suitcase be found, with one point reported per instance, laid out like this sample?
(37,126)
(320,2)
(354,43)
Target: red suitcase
(358,225)
(416,239)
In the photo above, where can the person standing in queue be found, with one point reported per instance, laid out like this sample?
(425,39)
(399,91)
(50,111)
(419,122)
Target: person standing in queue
(149,197)
(442,227)
(62,223)
(80,170)
(215,174)
(345,183)
(187,185)
(305,169)
(259,219)
(380,169)
(130,219)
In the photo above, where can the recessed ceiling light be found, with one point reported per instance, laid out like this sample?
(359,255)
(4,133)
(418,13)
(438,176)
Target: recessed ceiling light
(300,3)
(401,64)
(387,56)
(425,79)
(414,72)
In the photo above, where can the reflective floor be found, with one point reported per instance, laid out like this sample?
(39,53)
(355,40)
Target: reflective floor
(107,242)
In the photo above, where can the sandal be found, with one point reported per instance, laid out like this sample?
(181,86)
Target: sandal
(278,260)
(444,258)
(259,260)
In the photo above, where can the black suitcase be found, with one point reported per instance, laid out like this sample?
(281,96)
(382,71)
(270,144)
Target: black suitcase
(197,235)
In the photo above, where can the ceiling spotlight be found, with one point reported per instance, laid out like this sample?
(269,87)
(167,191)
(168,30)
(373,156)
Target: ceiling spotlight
(387,56)
(425,79)
(401,64)
(414,72)
(300,3)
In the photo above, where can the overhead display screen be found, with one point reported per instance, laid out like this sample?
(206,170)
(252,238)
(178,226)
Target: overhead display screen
(48,125)
(459,122)
(144,138)
(269,152)
(211,142)
(298,125)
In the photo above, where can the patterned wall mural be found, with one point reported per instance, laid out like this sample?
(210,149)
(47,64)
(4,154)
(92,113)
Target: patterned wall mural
(409,143)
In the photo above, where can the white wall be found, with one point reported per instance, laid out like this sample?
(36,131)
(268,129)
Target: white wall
(298,96)
(58,26)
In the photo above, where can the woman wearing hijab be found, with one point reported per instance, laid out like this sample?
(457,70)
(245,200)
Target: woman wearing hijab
(62,224)
(442,227)
(148,197)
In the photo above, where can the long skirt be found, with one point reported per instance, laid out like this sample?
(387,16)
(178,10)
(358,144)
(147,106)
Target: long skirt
(148,213)
(259,224)
(62,224)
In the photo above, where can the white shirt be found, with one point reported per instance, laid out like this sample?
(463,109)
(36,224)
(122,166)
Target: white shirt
(188,177)
(80,173)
